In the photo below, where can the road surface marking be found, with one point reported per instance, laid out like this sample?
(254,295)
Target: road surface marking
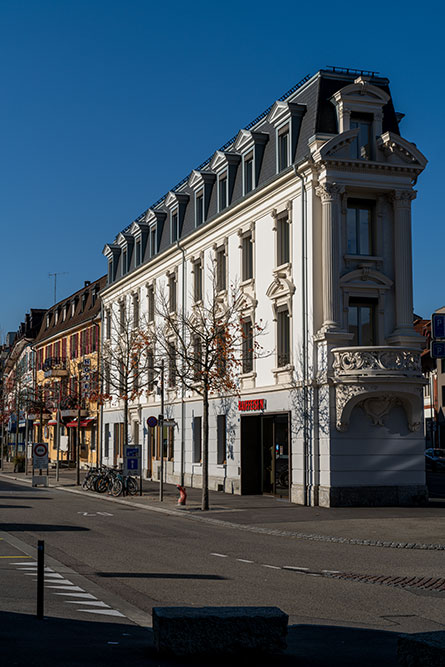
(15,556)
(104,612)
(220,555)
(297,569)
(66,582)
(27,563)
(243,560)
(68,588)
(87,596)
(331,571)
(46,574)
(272,567)
(92,603)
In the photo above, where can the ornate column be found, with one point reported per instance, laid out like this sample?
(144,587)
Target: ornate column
(329,194)
(401,200)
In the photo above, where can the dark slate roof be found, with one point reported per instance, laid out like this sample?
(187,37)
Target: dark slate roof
(80,316)
(315,93)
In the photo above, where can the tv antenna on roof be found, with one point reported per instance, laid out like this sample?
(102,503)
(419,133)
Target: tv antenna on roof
(54,275)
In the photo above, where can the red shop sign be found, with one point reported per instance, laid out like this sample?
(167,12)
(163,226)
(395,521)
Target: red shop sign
(252,404)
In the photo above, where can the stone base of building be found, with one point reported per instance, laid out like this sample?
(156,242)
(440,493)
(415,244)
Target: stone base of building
(363,496)
(195,481)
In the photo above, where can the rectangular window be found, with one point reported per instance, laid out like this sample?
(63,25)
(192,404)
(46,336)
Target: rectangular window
(361,146)
(172,293)
(197,280)
(247,257)
(222,192)
(135,368)
(108,325)
(138,253)
(199,209)
(171,365)
(248,173)
(107,440)
(151,303)
(152,241)
(122,317)
(124,262)
(150,370)
(135,310)
(170,443)
(197,354)
(221,269)
(196,439)
(283,338)
(361,321)
(110,271)
(247,347)
(283,149)
(283,241)
(174,227)
(221,439)
(359,216)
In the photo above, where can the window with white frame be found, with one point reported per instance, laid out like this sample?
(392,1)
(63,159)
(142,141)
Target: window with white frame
(135,310)
(361,147)
(283,337)
(138,259)
(197,444)
(248,173)
(283,240)
(153,247)
(199,208)
(221,427)
(151,303)
(122,316)
(247,256)
(172,292)
(283,147)
(174,226)
(247,346)
(108,324)
(124,262)
(221,281)
(171,352)
(197,280)
(222,191)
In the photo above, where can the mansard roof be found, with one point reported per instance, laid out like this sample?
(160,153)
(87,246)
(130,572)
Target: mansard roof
(309,103)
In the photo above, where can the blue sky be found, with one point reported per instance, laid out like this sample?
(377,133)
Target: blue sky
(106,105)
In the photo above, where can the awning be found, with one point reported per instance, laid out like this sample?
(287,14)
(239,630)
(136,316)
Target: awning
(83,422)
(52,422)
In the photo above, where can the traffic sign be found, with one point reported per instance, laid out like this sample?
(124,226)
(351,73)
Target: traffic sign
(152,422)
(40,455)
(438,325)
(437,349)
(132,459)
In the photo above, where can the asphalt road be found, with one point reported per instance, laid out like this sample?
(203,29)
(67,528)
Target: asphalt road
(130,560)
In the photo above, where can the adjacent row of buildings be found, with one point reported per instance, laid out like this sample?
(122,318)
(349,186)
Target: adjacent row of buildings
(308,211)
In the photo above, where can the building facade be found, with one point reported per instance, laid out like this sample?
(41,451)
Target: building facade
(66,378)
(308,211)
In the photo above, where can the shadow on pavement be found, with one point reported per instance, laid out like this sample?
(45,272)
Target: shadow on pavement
(159,575)
(62,641)
(41,527)
(15,507)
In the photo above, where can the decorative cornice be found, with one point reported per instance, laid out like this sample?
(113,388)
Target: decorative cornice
(329,192)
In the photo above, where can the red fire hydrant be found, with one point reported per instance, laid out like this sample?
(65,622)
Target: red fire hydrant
(182,494)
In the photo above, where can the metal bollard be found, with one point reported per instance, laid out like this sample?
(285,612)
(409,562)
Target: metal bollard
(40,577)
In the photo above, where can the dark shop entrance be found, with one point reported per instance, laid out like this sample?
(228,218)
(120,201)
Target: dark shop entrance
(265,454)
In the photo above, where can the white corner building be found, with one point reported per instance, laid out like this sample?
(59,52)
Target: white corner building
(308,209)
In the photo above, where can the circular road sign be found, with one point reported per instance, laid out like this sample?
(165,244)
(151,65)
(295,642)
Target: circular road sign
(152,421)
(40,450)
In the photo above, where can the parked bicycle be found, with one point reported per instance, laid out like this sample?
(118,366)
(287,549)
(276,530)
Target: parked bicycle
(105,479)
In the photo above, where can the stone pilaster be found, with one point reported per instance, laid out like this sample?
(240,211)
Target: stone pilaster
(329,194)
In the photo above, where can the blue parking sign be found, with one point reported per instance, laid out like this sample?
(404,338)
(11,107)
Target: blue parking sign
(437,349)
(438,325)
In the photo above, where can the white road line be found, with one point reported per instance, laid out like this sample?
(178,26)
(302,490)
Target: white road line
(297,569)
(220,555)
(92,603)
(65,582)
(46,574)
(243,560)
(26,563)
(104,612)
(87,596)
(331,571)
(272,567)
(69,588)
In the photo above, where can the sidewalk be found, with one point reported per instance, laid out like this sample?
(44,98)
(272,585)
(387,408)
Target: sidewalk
(399,527)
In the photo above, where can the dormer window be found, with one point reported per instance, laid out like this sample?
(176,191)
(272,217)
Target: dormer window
(283,148)
(110,270)
(248,176)
(48,320)
(124,262)
(138,259)
(251,146)
(199,208)
(84,301)
(152,241)
(65,311)
(174,227)
(362,145)
(222,191)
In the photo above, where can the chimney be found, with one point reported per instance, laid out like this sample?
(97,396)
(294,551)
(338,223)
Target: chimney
(87,283)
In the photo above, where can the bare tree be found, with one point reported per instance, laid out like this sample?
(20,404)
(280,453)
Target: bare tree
(124,358)
(206,349)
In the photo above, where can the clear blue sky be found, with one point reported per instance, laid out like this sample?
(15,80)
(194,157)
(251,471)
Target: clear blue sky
(106,105)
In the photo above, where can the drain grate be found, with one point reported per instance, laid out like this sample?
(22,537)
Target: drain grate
(425,583)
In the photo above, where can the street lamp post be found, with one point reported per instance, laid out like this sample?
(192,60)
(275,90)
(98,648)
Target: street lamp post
(161,432)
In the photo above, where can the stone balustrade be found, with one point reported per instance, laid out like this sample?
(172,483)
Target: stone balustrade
(376,361)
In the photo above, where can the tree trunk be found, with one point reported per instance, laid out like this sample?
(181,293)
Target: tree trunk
(205,452)
(125,421)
